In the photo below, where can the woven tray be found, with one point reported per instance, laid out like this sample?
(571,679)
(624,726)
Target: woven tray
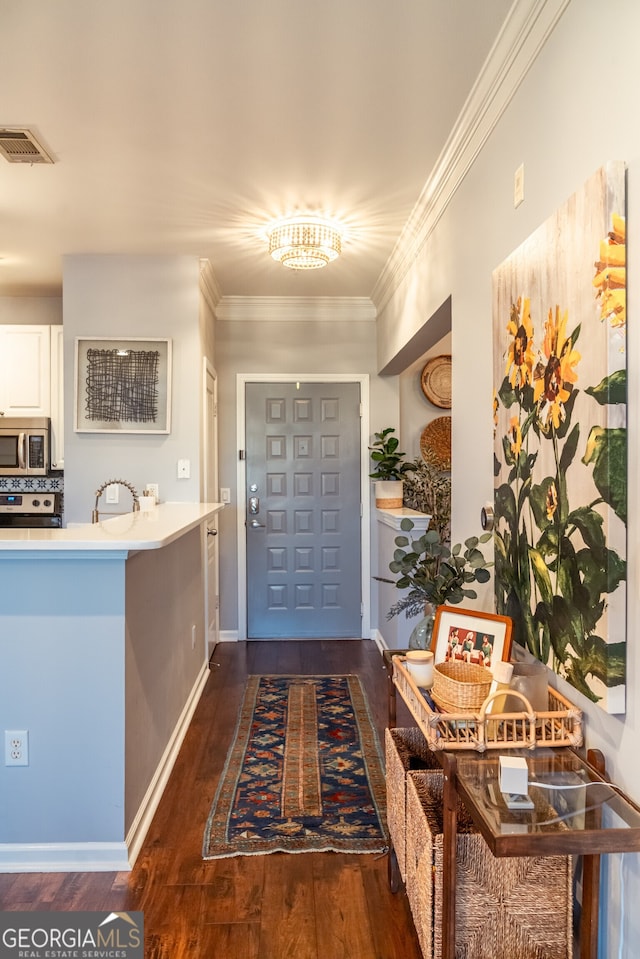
(435,381)
(460,687)
(560,725)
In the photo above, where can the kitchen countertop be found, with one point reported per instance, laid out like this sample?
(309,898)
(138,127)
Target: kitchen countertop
(150,529)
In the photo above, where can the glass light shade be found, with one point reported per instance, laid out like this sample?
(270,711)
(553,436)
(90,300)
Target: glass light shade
(304,243)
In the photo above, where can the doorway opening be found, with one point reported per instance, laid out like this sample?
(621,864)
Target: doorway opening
(249,513)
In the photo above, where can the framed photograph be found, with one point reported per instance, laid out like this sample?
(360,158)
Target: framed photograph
(122,385)
(470,636)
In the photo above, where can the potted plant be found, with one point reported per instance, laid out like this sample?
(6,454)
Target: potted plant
(434,575)
(389,469)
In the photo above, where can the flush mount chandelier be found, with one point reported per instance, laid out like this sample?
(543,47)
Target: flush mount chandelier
(305,242)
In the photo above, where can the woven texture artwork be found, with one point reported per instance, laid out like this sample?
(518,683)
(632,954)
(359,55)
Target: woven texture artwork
(304,772)
(122,386)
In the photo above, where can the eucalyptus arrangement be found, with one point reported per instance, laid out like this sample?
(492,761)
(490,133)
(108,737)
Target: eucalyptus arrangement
(433,573)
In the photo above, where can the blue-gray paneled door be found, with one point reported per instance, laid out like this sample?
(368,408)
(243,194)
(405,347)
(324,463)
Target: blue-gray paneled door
(303,510)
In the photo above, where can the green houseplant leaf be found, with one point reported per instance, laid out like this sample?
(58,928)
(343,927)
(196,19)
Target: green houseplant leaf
(607,451)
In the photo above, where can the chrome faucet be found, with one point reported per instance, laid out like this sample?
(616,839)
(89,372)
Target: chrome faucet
(118,482)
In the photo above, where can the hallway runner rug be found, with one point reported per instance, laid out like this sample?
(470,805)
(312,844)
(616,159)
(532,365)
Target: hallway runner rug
(304,772)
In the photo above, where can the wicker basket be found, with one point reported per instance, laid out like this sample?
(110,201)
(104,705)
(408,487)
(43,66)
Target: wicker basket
(460,686)
(405,750)
(512,907)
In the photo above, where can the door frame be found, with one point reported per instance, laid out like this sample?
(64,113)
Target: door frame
(365,486)
(209,493)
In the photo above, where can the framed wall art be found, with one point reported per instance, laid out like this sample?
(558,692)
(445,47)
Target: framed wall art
(470,636)
(122,385)
(560,439)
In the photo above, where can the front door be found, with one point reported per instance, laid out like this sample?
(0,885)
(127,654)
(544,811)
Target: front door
(303,510)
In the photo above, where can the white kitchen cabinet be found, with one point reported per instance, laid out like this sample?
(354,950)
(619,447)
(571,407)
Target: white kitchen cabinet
(25,370)
(57,398)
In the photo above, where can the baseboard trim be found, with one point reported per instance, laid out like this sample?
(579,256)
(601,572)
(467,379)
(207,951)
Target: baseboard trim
(64,857)
(379,640)
(228,636)
(142,821)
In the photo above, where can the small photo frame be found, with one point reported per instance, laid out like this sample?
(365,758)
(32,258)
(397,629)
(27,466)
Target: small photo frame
(122,385)
(470,636)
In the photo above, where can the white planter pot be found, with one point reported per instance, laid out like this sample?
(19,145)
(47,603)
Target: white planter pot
(388,493)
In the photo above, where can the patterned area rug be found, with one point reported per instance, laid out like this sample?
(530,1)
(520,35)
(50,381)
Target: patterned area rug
(303,774)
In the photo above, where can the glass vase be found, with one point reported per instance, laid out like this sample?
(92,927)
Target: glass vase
(422,632)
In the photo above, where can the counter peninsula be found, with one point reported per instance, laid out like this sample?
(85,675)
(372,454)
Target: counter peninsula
(103,656)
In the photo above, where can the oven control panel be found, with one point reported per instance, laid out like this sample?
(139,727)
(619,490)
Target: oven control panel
(27,502)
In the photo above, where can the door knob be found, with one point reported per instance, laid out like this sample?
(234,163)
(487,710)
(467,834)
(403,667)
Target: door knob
(256,525)
(212,532)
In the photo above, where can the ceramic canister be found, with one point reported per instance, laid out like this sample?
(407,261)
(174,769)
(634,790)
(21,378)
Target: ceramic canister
(420,664)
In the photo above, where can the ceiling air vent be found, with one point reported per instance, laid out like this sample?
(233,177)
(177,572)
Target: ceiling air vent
(20,146)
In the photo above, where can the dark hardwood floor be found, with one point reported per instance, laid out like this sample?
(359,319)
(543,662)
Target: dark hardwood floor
(307,906)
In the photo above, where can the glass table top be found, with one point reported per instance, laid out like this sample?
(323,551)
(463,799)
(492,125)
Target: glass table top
(574,809)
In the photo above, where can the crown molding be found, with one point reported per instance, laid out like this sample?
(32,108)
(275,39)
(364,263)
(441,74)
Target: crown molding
(340,309)
(209,285)
(524,33)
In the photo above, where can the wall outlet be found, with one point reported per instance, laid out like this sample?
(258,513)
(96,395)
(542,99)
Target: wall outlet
(16,747)
(153,489)
(112,492)
(184,469)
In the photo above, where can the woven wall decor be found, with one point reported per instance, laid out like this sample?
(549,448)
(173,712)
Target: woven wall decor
(435,381)
(435,442)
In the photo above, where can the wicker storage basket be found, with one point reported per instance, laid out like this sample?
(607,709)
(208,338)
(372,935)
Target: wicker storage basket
(459,686)
(506,908)
(405,750)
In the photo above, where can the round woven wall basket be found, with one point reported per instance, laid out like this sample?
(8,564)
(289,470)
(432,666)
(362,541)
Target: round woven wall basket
(460,687)
(435,442)
(435,381)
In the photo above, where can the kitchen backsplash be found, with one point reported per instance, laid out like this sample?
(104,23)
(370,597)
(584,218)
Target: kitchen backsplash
(32,484)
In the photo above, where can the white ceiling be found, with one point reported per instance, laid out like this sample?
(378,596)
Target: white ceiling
(184,126)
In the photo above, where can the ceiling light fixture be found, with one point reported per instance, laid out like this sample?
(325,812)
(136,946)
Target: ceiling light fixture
(304,242)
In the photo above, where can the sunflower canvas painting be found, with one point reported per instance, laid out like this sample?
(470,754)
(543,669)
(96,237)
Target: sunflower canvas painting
(560,395)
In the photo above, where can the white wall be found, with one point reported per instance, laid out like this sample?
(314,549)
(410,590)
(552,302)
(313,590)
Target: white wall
(574,111)
(164,603)
(148,296)
(416,411)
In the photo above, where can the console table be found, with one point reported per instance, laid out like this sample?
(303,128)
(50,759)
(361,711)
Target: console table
(587,820)
(581,814)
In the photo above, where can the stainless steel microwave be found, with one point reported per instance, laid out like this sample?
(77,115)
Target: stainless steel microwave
(24,446)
